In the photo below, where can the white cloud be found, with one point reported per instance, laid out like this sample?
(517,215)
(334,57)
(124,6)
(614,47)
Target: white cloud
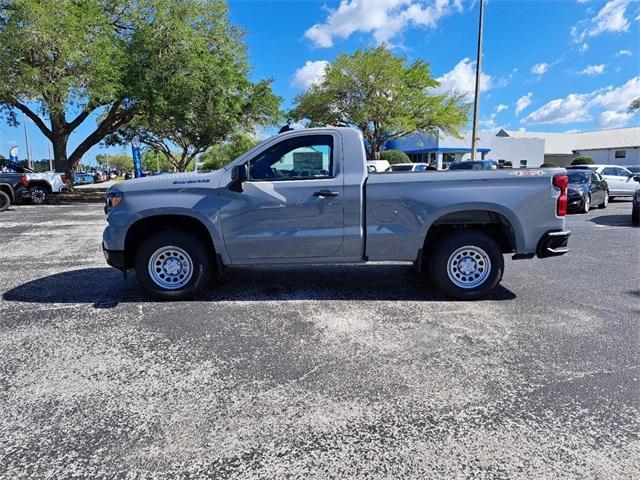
(611,101)
(612,119)
(523,102)
(584,47)
(540,69)
(592,70)
(624,53)
(384,19)
(309,74)
(611,18)
(572,108)
(501,108)
(617,99)
(461,79)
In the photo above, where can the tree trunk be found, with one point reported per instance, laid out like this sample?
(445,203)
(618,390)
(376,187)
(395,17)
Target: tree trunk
(60,153)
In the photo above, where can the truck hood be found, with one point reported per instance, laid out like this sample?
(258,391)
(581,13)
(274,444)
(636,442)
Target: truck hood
(169,181)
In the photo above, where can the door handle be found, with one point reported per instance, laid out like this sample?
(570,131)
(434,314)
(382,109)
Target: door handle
(325,193)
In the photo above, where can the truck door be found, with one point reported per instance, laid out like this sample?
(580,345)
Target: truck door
(292,204)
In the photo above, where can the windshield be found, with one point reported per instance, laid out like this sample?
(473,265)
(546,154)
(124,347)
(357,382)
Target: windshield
(579,177)
(401,168)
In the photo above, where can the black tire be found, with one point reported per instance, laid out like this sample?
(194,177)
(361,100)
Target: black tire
(611,198)
(38,195)
(586,204)
(179,241)
(439,262)
(5,201)
(635,215)
(605,202)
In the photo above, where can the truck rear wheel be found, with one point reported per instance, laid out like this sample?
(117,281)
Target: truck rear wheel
(5,201)
(172,265)
(38,195)
(466,265)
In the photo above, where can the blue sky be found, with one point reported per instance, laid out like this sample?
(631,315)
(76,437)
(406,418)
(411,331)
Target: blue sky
(560,65)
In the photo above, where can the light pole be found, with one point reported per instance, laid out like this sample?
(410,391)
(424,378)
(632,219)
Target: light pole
(26,140)
(476,100)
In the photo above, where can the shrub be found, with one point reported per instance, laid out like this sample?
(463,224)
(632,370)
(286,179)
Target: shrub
(582,161)
(548,165)
(394,156)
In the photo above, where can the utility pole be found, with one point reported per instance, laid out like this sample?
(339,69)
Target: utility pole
(476,101)
(49,156)
(26,140)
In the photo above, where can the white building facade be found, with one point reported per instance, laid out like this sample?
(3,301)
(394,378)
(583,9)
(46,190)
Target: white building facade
(618,146)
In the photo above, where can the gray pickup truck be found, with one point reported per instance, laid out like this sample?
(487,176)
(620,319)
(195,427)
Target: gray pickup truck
(305,196)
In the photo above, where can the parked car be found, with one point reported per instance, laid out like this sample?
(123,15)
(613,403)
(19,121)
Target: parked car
(82,178)
(38,186)
(474,165)
(635,169)
(619,179)
(587,189)
(304,196)
(410,167)
(635,209)
(7,194)
(376,166)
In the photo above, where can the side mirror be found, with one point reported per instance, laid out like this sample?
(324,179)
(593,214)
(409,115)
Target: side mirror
(239,175)
(636,178)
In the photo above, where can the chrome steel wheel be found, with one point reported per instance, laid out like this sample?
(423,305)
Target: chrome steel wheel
(170,267)
(606,199)
(468,267)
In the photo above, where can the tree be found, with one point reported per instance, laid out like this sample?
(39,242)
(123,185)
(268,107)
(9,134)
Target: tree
(394,157)
(118,161)
(220,155)
(155,162)
(582,161)
(212,101)
(635,105)
(548,165)
(379,93)
(63,61)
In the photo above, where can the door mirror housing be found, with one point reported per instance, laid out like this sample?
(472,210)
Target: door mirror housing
(239,175)
(636,178)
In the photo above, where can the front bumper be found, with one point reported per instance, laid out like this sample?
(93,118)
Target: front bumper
(115,258)
(553,243)
(575,202)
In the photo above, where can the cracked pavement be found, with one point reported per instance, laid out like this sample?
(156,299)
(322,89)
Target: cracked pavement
(357,371)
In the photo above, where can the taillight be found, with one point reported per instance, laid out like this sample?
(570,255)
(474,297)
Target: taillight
(24,181)
(64,178)
(561,181)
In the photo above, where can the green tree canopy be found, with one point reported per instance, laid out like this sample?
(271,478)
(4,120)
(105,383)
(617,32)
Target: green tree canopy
(394,157)
(379,93)
(635,105)
(582,161)
(221,154)
(209,101)
(119,161)
(63,61)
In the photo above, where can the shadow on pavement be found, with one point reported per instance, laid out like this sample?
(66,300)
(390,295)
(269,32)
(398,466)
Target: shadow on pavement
(614,220)
(105,287)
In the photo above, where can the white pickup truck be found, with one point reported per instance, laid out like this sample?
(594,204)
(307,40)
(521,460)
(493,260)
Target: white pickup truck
(305,196)
(35,187)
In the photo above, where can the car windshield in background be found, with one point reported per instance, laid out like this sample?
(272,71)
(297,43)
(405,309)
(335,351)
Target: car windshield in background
(578,177)
(634,169)
(469,165)
(401,168)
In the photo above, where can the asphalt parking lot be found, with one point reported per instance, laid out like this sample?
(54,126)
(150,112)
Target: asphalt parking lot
(317,372)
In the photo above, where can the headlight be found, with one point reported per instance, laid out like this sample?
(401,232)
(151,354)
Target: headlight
(113,199)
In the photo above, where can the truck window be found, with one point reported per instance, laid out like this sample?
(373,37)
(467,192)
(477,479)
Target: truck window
(297,158)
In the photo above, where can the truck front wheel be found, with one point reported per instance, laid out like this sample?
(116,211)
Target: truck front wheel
(466,265)
(172,265)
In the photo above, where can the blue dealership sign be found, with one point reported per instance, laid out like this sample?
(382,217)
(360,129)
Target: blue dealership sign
(137,157)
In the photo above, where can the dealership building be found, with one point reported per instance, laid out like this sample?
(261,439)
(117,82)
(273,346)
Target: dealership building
(618,146)
(524,149)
